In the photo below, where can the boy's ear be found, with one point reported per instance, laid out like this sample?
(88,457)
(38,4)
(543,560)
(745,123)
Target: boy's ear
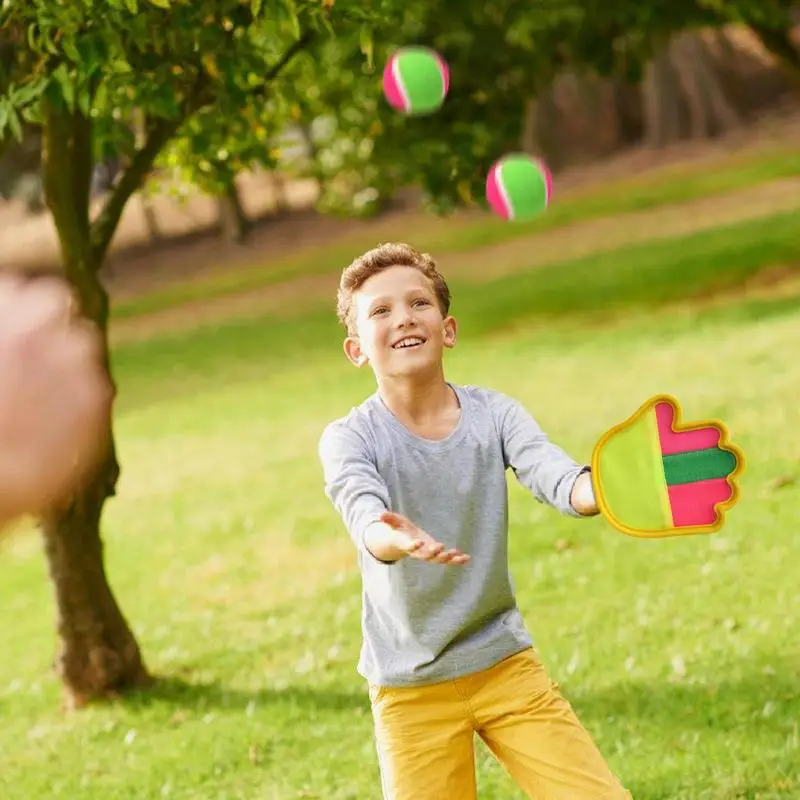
(450,331)
(352,349)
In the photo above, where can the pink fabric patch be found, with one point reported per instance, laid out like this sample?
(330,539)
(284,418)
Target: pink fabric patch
(548,180)
(390,88)
(693,503)
(673,442)
(494,195)
(445,73)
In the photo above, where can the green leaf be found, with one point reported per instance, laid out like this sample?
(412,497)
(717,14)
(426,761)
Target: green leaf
(255,7)
(32,114)
(132,6)
(49,44)
(294,17)
(32,43)
(14,124)
(165,4)
(30,91)
(368,46)
(85,99)
(65,82)
(70,49)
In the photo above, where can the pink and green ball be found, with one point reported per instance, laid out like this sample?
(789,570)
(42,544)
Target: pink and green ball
(519,187)
(416,80)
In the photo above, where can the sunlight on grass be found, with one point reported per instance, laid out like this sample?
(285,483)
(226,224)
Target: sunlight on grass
(662,187)
(242,588)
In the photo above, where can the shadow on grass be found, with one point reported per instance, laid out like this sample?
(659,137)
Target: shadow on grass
(709,726)
(694,724)
(757,703)
(178,692)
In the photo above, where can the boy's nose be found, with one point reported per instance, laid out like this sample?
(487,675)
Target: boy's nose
(405,317)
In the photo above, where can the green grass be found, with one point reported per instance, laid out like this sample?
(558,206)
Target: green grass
(678,654)
(663,187)
(588,290)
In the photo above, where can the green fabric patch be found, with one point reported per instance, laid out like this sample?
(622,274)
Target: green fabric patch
(698,465)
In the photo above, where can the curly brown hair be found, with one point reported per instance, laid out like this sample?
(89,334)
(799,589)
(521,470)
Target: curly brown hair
(391,254)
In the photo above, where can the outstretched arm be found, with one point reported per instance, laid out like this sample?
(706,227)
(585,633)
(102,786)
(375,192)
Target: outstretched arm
(357,491)
(541,466)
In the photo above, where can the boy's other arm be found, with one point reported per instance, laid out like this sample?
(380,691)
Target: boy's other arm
(358,492)
(541,466)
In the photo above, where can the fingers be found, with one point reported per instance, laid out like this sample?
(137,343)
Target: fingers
(436,553)
(420,545)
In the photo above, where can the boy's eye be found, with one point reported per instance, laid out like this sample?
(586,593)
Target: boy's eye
(421,302)
(379,310)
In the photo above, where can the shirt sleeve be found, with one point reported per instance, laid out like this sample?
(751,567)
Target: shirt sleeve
(538,464)
(352,482)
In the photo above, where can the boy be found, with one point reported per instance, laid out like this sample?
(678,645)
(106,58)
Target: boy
(418,474)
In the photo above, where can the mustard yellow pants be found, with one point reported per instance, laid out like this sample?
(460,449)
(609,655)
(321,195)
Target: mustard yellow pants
(425,736)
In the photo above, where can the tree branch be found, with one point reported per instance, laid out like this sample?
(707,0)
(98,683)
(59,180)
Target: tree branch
(132,178)
(296,47)
(303,42)
(105,225)
(161,131)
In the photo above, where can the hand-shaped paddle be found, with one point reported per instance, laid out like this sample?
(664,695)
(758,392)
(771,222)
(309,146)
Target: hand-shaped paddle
(653,476)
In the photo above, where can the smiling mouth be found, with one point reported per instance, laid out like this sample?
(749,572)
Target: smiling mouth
(409,343)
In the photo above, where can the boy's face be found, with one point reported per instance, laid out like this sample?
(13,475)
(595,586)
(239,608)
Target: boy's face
(400,330)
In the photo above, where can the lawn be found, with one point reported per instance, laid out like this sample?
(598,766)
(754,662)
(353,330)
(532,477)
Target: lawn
(460,234)
(680,655)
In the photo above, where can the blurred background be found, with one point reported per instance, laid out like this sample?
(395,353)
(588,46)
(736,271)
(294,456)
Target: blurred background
(201,173)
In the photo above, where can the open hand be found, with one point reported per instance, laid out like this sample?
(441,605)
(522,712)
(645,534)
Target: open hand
(417,543)
(55,396)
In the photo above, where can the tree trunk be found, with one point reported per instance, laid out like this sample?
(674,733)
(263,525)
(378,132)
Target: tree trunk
(150,220)
(628,108)
(662,101)
(732,64)
(528,139)
(542,134)
(233,222)
(711,112)
(277,183)
(780,44)
(98,656)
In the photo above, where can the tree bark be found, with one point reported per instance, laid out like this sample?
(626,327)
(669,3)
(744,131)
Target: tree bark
(277,183)
(233,222)
(528,143)
(150,220)
(542,134)
(780,44)
(628,109)
(98,656)
(711,112)
(663,104)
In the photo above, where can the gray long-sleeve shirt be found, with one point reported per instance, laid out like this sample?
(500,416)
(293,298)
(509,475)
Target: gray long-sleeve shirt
(424,623)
